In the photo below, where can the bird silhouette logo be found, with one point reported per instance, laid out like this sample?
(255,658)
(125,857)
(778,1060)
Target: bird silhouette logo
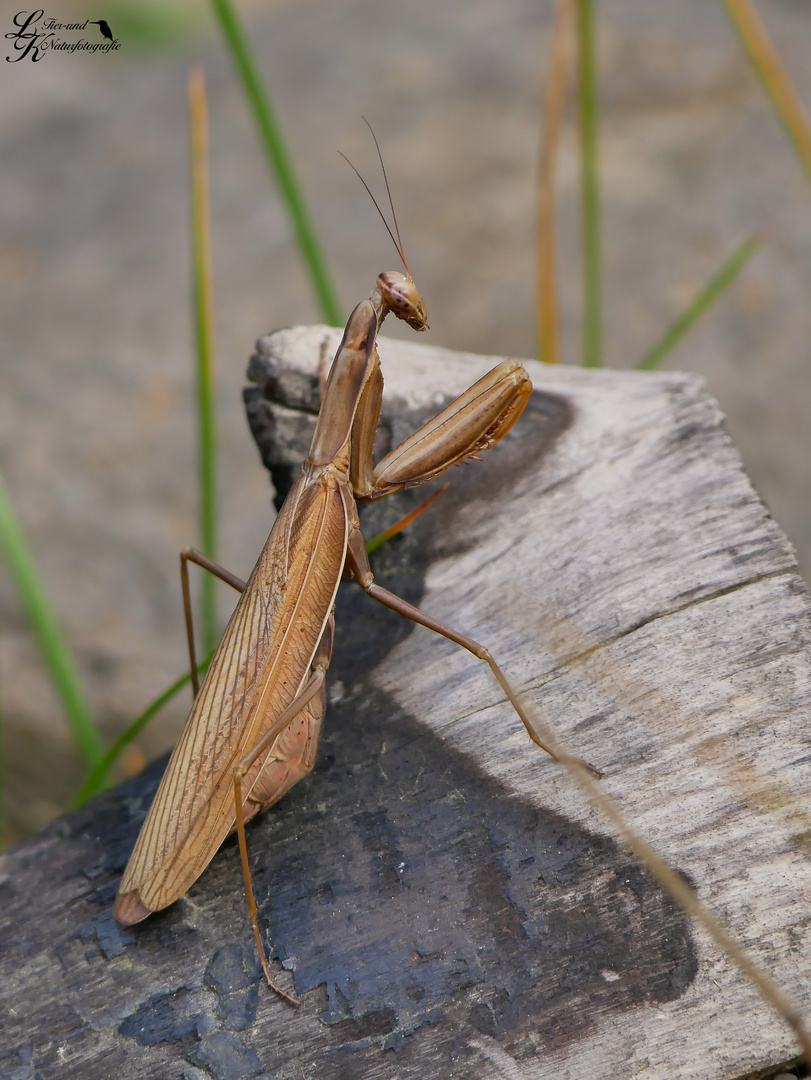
(103,27)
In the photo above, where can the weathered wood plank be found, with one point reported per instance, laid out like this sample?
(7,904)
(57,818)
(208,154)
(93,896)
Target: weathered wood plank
(447,904)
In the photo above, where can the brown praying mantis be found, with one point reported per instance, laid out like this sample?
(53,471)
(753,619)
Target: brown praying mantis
(254,727)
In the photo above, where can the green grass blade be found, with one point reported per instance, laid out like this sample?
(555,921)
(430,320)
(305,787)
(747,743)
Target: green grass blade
(3,835)
(589,192)
(546,305)
(203,303)
(94,781)
(772,75)
(279,161)
(699,304)
(52,644)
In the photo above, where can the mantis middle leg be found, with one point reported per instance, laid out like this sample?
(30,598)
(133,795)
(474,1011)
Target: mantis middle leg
(187,555)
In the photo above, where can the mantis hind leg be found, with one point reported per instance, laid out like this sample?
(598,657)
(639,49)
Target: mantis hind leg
(187,555)
(358,562)
(311,697)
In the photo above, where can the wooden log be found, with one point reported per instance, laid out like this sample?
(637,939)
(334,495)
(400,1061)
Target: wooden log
(445,902)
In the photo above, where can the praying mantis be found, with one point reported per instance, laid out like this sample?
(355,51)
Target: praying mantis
(254,727)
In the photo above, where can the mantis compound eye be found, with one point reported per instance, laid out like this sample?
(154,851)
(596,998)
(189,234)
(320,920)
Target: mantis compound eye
(400,295)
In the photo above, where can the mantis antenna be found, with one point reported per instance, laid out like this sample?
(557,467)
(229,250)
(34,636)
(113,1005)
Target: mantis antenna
(396,239)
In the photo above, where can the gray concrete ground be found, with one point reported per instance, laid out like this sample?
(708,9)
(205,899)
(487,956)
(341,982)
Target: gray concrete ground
(96,435)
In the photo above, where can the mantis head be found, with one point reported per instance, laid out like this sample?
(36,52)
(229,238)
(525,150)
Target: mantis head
(400,295)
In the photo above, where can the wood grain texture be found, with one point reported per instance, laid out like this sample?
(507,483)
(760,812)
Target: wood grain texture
(447,904)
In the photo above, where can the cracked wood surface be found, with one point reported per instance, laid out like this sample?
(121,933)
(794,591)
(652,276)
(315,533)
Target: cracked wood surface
(445,902)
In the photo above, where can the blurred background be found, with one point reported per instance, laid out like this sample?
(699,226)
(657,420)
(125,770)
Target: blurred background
(97,440)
